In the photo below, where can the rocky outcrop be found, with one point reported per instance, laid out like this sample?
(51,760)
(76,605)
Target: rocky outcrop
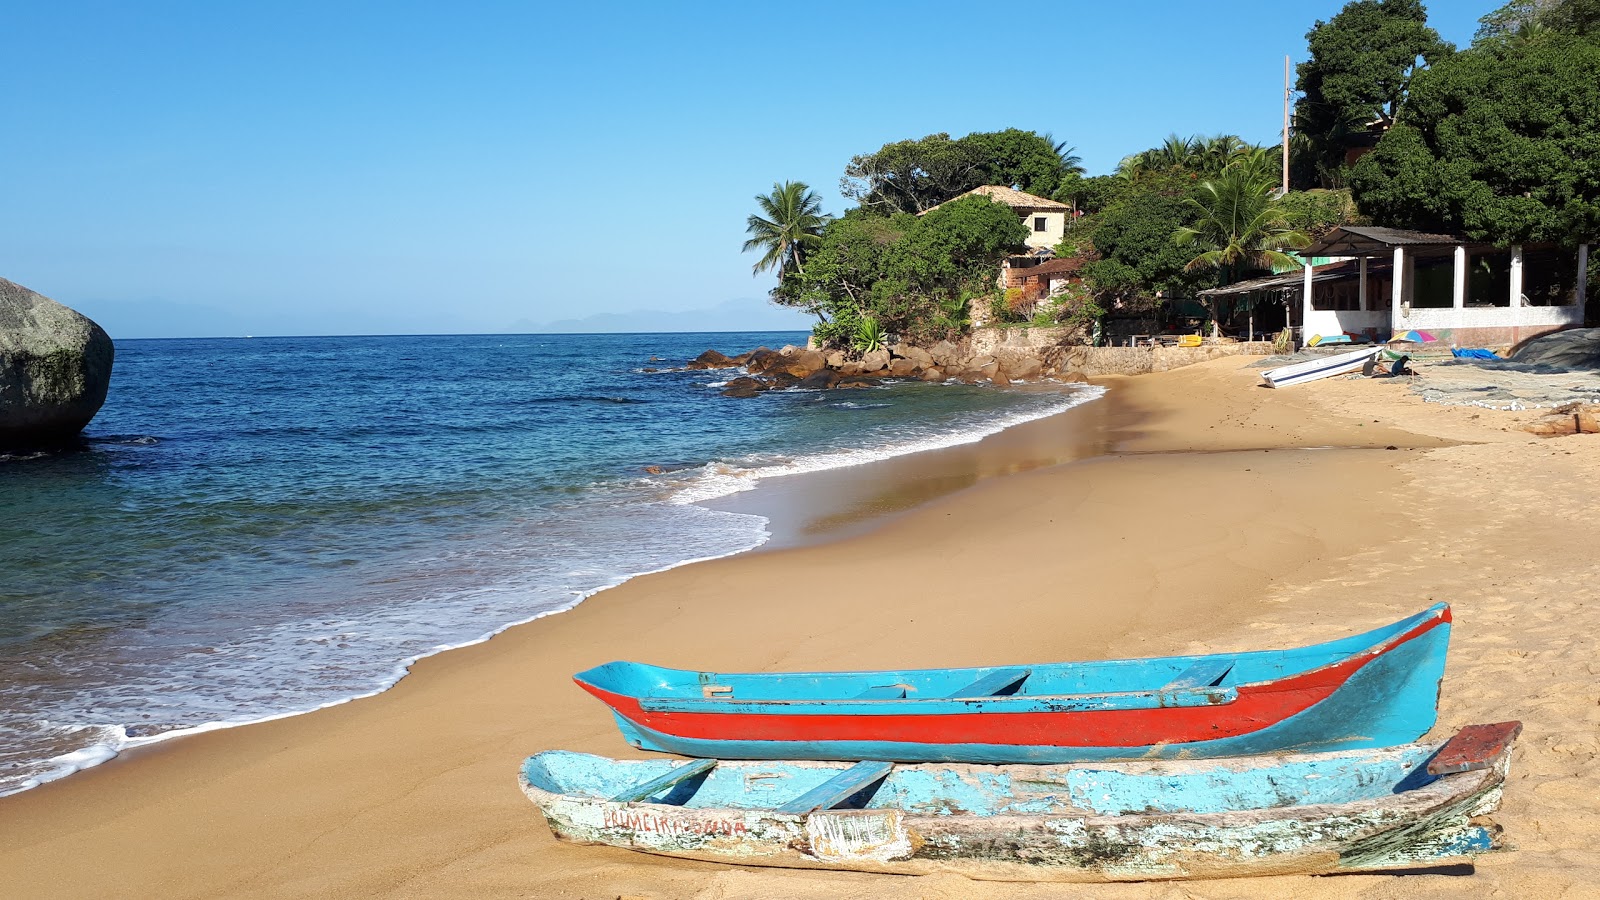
(55,368)
(711,359)
(1572,418)
(989,355)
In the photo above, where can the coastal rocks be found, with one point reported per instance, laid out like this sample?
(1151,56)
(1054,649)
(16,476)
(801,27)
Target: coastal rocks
(1571,418)
(55,369)
(1023,367)
(744,387)
(944,354)
(811,368)
(875,361)
(711,359)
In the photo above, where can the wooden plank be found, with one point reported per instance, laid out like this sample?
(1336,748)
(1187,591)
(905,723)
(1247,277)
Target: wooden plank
(883,692)
(1202,674)
(1474,747)
(992,683)
(657,785)
(837,789)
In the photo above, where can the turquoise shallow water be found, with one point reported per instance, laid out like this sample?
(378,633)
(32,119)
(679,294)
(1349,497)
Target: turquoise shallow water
(256,527)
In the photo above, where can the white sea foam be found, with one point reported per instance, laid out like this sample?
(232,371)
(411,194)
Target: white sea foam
(101,743)
(239,681)
(721,478)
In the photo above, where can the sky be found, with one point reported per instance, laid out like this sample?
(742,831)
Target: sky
(217,169)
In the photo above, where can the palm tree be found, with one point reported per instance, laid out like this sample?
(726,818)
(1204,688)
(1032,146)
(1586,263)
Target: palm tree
(791,221)
(1240,226)
(1071,162)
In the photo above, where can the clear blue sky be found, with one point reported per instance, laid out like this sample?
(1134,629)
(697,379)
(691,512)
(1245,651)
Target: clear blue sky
(398,167)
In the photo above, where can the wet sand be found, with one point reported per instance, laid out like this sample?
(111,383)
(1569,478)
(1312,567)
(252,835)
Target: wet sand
(1214,524)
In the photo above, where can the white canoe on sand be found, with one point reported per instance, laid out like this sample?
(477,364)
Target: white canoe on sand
(1323,367)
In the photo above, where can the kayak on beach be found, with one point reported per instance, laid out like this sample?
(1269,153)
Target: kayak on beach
(1371,690)
(1408,807)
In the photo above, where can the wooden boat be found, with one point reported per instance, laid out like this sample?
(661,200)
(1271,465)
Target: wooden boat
(1372,690)
(1311,370)
(1408,807)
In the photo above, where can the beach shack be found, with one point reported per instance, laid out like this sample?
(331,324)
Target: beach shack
(1376,282)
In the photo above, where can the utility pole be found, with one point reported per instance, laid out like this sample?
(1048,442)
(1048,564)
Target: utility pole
(1287,93)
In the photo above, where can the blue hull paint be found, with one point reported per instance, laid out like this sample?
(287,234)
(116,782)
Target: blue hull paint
(1391,700)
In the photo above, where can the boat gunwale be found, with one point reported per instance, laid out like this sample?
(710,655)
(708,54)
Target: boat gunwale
(1420,623)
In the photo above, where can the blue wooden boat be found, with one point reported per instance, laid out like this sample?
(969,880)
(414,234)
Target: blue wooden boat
(1375,689)
(1407,807)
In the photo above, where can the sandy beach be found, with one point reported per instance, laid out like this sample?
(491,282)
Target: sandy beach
(1185,512)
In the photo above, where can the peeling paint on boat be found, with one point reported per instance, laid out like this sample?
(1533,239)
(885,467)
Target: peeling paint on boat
(1289,813)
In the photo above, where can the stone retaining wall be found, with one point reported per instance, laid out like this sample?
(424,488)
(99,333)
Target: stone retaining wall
(1093,361)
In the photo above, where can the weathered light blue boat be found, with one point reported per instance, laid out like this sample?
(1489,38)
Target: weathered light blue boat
(1407,807)
(1371,690)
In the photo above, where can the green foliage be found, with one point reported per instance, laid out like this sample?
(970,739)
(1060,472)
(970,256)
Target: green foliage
(916,175)
(1090,195)
(790,225)
(1133,236)
(1527,19)
(868,335)
(1500,142)
(1317,212)
(1197,154)
(1361,66)
(913,276)
(1238,226)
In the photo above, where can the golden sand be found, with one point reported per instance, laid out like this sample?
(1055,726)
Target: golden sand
(1218,521)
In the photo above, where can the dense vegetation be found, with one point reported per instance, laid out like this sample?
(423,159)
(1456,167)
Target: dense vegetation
(1499,141)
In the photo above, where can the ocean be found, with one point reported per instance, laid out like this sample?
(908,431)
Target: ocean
(258,527)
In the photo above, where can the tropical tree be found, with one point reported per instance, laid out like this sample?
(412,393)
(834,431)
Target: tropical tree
(790,224)
(1238,226)
(1501,143)
(1361,67)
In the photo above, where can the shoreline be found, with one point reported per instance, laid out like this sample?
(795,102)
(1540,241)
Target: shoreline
(1184,540)
(756,500)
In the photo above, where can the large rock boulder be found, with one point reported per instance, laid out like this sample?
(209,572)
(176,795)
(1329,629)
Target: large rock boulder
(55,367)
(874,361)
(711,359)
(945,354)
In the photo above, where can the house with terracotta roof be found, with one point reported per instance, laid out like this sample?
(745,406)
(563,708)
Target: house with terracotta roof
(1046,219)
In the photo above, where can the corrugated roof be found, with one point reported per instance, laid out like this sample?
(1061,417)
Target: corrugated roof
(1332,272)
(1010,197)
(1354,240)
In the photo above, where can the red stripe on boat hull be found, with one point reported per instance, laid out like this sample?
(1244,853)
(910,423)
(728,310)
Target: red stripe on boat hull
(1258,706)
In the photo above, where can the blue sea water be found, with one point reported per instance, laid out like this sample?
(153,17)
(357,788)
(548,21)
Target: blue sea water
(258,527)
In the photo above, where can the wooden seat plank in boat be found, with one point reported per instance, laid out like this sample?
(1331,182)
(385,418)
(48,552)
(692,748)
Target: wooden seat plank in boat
(991,684)
(1474,747)
(657,785)
(1205,673)
(837,789)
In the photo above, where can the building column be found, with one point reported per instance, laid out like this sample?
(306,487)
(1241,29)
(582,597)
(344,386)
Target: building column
(1397,288)
(1581,291)
(1305,303)
(1516,276)
(1362,291)
(1458,294)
